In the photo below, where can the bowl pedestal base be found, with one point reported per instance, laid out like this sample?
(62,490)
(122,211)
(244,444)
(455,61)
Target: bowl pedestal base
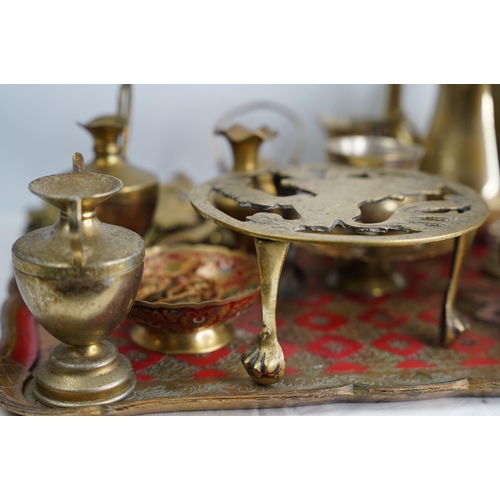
(201,342)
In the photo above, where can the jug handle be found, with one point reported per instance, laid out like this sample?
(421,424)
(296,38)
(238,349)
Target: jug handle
(74,215)
(124,110)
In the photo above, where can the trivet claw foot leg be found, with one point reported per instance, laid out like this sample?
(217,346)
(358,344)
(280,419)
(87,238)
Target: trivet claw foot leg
(452,323)
(263,359)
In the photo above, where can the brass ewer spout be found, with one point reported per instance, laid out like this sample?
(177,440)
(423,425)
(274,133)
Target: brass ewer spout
(245,145)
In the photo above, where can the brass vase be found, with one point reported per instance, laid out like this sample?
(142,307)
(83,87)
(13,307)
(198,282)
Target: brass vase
(245,146)
(79,279)
(462,146)
(134,206)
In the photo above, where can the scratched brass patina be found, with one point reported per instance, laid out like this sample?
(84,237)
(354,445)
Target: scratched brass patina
(339,205)
(79,279)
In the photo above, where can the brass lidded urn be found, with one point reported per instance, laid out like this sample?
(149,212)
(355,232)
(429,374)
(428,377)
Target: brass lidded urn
(134,206)
(79,278)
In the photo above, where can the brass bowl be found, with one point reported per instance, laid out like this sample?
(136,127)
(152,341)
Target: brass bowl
(191,320)
(373,151)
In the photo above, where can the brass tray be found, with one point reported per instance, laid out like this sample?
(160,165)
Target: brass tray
(339,348)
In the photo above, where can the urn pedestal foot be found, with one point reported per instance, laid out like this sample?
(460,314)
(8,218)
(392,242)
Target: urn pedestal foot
(84,375)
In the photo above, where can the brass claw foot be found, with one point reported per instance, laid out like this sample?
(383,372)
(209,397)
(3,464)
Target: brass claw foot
(453,323)
(264,360)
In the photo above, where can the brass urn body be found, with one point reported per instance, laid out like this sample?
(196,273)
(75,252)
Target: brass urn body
(134,206)
(79,279)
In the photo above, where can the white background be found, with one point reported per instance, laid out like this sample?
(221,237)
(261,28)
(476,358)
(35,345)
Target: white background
(172,125)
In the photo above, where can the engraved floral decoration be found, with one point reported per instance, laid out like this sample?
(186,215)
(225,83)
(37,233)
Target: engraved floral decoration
(186,289)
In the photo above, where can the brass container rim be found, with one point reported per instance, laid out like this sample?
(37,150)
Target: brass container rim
(254,287)
(380,147)
(346,121)
(114,121)
(111,186)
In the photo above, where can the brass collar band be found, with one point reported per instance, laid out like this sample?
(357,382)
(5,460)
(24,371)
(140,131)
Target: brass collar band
(72,272)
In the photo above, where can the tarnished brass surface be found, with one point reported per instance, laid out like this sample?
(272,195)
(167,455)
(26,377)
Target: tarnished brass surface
(323,198)
(134,206)
(332,205)
(79,279)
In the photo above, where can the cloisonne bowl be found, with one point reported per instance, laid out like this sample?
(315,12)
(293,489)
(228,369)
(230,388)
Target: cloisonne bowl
(188,296)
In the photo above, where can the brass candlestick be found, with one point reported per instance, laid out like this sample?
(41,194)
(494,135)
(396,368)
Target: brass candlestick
(134,206)
(79,278)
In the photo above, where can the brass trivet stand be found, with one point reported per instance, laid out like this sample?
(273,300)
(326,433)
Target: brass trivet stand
(337,205)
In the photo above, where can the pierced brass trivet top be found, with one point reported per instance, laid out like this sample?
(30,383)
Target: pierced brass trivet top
(331,204)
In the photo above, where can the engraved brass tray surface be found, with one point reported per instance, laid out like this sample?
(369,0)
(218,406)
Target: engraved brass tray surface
(339,348)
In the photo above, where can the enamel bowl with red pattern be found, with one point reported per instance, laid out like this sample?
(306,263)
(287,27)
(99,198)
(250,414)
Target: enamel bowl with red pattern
(188,296)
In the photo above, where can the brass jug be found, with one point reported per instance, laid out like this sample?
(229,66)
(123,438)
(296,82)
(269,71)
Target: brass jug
(79,279)
(134,206)
(245,146)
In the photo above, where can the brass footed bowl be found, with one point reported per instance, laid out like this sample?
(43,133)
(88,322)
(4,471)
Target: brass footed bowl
(189,294)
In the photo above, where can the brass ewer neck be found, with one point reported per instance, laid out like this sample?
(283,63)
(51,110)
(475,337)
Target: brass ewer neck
(393,108)
(245,145)
(111,133)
